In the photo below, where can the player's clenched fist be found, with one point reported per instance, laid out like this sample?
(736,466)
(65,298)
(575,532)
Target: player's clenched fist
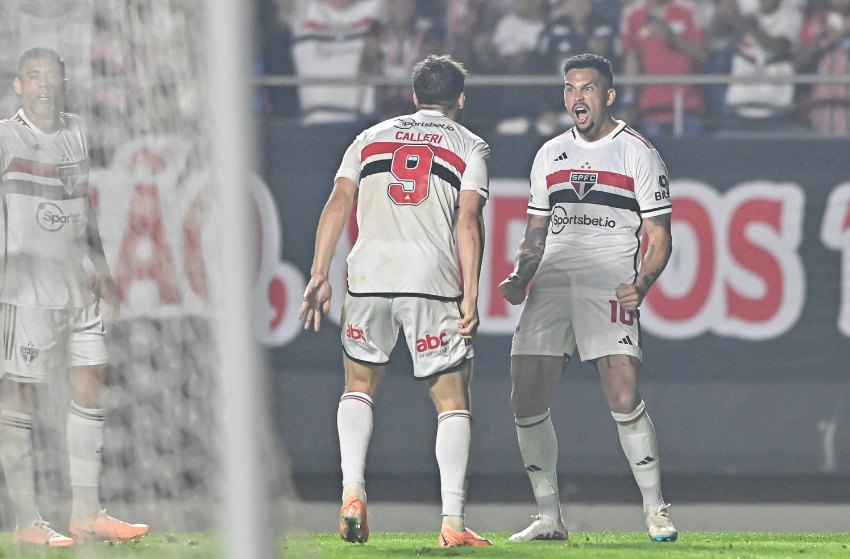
(513,289)
(628,296)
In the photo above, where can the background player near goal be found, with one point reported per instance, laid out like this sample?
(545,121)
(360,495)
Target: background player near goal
(140,85)
(52,302)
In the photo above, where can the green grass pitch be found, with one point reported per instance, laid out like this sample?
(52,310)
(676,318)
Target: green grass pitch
(633,545)
(608,545)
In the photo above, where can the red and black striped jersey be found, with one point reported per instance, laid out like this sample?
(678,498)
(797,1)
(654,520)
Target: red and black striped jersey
(597,195)
(410,171)
(45,213)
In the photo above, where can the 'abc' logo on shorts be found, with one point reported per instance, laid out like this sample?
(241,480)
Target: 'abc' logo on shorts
(354,333)
(431,342)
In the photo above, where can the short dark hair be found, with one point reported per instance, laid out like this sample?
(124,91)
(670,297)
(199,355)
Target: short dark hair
(438,80)
(41,52)
(588,60)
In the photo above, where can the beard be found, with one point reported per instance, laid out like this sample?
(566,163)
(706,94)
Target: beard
(586,127)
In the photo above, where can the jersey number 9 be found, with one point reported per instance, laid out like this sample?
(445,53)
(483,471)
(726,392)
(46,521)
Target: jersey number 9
(411,167)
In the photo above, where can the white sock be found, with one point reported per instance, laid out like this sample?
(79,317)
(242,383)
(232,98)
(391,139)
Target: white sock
(539,447)
(454,436)
(18,466)
(354,427)
(637,437)
(84,432)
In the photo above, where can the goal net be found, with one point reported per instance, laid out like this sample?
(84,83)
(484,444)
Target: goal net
(137,76)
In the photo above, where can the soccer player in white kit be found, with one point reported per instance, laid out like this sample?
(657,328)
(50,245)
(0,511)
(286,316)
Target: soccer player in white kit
(52,318)
(420,182)
(594,190)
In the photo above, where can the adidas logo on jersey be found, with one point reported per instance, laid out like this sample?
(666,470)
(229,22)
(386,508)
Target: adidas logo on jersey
(562,157)
(626,341)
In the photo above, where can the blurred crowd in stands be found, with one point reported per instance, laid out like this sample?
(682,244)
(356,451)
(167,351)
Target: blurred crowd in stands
(760,39)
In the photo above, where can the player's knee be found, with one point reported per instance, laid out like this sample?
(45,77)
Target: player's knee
(528,404)
(518,404)
(633,415)
(19,395)
(531,420)
(88,388)
(448,405)
(449,397)
(357,385)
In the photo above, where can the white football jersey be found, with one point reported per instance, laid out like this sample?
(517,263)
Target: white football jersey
(410,171)
(45,213)
(596,195)
(329,42)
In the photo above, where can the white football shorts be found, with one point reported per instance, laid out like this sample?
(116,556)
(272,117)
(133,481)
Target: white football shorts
(38,341)
(370,328)
(587,318)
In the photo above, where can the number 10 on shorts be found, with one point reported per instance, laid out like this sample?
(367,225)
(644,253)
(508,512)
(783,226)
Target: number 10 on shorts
(619,314)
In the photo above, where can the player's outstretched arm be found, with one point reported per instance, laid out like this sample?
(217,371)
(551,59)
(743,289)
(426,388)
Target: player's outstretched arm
(470,238)
(528,259)
(317,295)
(659,248)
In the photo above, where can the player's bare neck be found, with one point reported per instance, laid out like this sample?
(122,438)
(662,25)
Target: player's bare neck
(597,133)
(439,108)
(48,124)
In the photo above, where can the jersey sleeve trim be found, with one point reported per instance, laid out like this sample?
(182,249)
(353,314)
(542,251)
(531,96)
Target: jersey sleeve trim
(535,210)
(476,187)
(348,174)
(657,211)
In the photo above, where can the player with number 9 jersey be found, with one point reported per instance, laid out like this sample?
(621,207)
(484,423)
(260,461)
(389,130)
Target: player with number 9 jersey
(419,182)
(410,171)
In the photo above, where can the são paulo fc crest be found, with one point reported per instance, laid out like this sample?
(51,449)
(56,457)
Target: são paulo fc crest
(583,182)
(69,175)
(29,353)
